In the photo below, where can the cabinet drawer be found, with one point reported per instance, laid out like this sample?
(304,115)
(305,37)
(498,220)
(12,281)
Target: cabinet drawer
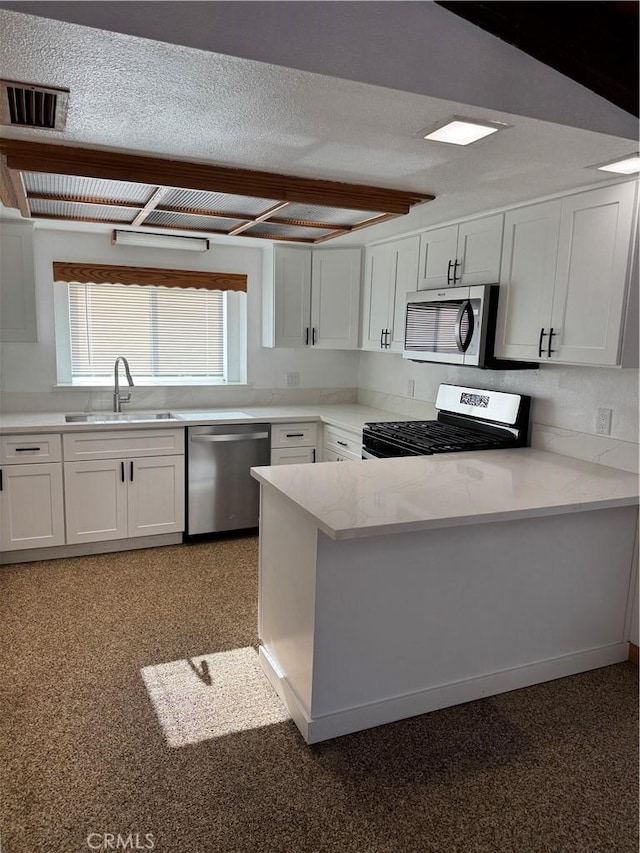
(293,455)
(30,448)
(123,444)
(342,442)
(292,435)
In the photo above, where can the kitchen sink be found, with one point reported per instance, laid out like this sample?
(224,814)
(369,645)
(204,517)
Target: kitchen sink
(108,417)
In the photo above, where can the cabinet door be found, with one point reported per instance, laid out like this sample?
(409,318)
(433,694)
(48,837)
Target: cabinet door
(293,455)
(527,279)
(407,254)
(437,256)
(31,506)
(155,495)
(479,251)
(335,298)
(378,295)
(592,274)
(292,297)
(17,283)
(96,500)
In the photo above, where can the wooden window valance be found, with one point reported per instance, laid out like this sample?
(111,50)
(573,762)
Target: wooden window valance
(116,274)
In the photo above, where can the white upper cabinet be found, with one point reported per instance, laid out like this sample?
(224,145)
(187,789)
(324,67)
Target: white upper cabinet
(17,282)
(292,297)
(314,298)
(391,271)
(335,298)
(464,254)
(565,278)
(527,279)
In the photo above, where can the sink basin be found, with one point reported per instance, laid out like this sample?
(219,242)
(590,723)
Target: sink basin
(108,417)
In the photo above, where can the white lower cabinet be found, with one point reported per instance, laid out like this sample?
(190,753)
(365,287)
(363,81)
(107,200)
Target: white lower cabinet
(294,443)
(31,493)
(341,445)
(123,484)
(31,506)
(120,499)
(293,455)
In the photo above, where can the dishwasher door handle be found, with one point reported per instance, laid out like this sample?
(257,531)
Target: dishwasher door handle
(240,436)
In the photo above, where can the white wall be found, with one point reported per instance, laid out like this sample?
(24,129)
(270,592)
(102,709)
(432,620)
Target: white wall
(29,369)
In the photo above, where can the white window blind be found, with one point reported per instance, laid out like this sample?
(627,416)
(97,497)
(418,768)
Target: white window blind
(164,332)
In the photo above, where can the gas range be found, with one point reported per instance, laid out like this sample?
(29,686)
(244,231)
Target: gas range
(468,419)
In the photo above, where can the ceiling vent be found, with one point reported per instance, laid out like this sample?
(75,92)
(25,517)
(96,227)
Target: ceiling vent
(30,105)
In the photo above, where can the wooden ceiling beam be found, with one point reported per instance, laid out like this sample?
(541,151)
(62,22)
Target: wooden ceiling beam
(153,202)
(12,191)
(263,216)
(112,165)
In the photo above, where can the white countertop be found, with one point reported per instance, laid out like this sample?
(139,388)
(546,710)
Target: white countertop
(356,499)
(347,415)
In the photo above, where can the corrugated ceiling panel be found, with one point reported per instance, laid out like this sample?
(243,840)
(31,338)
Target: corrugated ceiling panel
(72,186)
(73,210)
(330,215)
(190,221)
(201,200)
(295,232)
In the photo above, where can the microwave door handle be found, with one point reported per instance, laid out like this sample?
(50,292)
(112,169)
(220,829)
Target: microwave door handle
(464,308)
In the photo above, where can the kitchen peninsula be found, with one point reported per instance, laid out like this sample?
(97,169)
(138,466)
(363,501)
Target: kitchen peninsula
(396,587)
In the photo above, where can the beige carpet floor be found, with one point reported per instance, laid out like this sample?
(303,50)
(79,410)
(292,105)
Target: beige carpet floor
(92,655)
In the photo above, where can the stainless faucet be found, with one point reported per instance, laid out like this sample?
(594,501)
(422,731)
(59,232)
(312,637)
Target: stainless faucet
(119,398)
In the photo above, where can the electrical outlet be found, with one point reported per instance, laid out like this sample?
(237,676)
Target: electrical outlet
(293,380)
(411,387)
(603,421)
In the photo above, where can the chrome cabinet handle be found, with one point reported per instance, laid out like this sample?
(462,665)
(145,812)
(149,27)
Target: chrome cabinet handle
(449,272)
(242,436)
(314,336)
(551,334)
(455,269)
(542,334)
(381,338)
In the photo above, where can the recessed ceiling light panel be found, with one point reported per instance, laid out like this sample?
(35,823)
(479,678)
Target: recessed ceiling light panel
(627,165)
(459,130)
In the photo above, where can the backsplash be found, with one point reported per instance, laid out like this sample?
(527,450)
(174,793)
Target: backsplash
(564,402)
(143,398)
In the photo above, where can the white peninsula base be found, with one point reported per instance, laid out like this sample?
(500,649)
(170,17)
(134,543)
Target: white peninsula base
(356,632)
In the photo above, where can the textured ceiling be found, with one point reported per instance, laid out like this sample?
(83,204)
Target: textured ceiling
(137,95)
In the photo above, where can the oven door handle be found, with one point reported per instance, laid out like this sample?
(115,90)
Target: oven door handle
(367,455)
(465,308)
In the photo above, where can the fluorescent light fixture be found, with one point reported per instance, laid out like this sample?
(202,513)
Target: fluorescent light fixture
(627,165)
(159,241)
(459,130)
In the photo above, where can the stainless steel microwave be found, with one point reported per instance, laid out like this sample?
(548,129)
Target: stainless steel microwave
(454,325)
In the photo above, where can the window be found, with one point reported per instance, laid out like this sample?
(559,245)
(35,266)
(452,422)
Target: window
(169,335)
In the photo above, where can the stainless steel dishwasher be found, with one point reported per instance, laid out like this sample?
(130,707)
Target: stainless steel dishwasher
(221,493)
